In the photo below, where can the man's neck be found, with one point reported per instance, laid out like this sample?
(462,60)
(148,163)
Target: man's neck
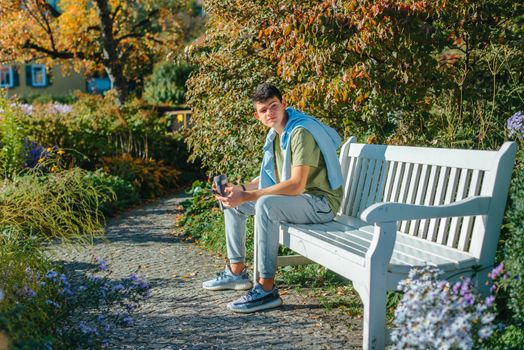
(280,128)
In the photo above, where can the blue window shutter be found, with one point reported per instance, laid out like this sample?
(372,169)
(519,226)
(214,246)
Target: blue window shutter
(28,75)
(49,76)
(16,77)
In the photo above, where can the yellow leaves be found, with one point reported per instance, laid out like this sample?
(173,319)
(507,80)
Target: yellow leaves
(361,98)
(286,29)
(278,43)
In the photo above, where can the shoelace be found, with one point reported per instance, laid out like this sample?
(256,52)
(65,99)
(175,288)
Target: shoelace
(252,294)
(221,275)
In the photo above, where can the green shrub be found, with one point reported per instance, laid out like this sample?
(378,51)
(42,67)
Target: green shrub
(44,99)
(167,84)
(12,151)
(95,128)
(61,205)
(125,194)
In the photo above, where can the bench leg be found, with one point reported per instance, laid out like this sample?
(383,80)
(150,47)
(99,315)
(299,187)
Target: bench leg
(374,323)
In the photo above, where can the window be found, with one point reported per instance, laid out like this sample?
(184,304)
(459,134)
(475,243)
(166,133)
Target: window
(38,75)
(97,85)
(6,77)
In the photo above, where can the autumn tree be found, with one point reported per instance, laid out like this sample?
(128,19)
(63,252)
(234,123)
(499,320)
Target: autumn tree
(124,38)
(403,72)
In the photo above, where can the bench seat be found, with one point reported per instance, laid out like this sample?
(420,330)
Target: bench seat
(352,241)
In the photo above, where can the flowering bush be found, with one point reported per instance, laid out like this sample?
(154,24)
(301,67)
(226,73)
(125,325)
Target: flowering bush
(516,125)
(435,314)
(46,309)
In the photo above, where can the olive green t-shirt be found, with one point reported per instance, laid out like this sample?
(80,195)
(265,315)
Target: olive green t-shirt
(305,151)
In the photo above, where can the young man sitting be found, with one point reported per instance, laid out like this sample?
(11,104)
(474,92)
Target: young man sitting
(300,182)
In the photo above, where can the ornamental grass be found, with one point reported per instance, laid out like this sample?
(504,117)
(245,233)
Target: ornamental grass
(47,206)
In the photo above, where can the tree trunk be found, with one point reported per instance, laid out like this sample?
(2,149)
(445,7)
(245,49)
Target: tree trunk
(112,65)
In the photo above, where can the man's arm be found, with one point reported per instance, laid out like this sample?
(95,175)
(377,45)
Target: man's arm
(292,187)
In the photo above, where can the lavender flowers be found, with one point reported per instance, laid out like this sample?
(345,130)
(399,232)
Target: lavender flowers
(435,314)
(516,125)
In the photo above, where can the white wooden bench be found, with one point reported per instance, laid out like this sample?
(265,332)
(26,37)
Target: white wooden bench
(406,207)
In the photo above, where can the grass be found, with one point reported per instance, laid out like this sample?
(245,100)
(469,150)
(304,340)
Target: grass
(61,205)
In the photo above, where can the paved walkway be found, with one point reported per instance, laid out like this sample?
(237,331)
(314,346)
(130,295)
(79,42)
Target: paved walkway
(181,315)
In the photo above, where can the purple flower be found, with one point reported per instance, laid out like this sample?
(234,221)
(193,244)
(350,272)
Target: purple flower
(490,300)
(128,321)
(497,271)
(118,287)
(469,298)
(27,292)
(58,108)
(456,287)
(27,109)
(66,291)
(53,303)
(85,328)
(102,264)
(51,275)
(515,125)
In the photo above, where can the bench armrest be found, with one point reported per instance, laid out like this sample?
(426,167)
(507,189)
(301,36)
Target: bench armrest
(390,211)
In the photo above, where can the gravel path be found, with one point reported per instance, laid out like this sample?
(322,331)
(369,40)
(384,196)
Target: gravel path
(180,314)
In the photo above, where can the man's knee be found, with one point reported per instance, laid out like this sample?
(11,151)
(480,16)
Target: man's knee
(268,205)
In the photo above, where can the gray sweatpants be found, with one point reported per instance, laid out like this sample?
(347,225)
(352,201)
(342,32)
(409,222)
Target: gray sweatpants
(269,212)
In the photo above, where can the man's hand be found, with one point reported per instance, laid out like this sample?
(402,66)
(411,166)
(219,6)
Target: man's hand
(234,196)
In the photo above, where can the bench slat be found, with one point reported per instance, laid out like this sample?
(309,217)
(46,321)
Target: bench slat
(421,193)
(372,174)
(454,230)
(411,194)
(429,198)
(467,225)
(439,199)
(360,186)
(379,195)
(451,191)
(352,183)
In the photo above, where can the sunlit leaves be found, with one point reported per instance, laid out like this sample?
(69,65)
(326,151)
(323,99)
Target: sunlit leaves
(143,30)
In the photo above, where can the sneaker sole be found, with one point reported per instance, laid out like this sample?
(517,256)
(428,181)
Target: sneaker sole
(229,287)
(270,305)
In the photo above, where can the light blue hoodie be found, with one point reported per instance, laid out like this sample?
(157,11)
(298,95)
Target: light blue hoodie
(327,140)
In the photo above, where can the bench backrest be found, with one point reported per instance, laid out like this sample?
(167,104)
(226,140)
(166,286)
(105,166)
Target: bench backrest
(431,176)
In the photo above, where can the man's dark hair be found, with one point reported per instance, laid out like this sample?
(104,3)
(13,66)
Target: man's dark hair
(264,92)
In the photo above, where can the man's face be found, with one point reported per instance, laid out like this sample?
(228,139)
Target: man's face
(271,113)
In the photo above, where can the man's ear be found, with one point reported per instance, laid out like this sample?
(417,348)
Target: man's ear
(256,115)
(284,104)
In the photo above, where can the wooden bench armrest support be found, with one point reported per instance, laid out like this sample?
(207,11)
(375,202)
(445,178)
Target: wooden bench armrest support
(389,211)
